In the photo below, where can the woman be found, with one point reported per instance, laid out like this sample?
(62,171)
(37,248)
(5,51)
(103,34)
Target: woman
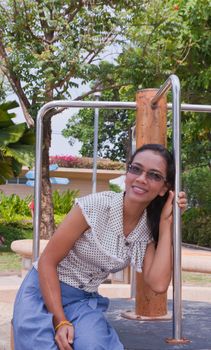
(58,307)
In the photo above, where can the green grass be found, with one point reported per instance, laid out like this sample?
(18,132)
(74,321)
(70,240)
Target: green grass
(196,278)
(9,262)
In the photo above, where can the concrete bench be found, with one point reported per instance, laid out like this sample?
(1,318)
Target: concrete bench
(196,260)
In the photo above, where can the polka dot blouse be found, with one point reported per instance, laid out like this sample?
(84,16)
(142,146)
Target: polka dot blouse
(103,248)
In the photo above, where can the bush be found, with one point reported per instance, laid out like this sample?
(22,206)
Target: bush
(14,231)
(63,202)
(86,162)
(197,219)
(15,217)
(197,184)
(13,206)
(196,227)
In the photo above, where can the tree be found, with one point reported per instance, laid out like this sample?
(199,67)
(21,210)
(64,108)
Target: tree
(45,46)
(175,38)
(114,137)
(163,37)
(16,142)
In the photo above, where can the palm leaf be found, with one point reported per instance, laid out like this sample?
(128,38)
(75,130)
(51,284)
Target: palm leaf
(22,153)
(6,169)
(16,143)
(5,119)
(11,134)
(28,138)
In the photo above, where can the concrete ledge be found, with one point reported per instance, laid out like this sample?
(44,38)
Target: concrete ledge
(196,260)
(24,247)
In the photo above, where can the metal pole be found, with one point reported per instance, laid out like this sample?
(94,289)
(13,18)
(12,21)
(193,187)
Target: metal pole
(38,183)
(177,283)
(96,122)
(174,82)
(193,108)
(132,269)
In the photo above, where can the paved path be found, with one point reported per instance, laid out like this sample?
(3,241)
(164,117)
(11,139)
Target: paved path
(151,335)
(137,335)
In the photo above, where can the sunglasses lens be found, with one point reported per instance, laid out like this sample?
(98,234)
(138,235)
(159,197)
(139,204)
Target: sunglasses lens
(133,169)
(151,175)
(154,176)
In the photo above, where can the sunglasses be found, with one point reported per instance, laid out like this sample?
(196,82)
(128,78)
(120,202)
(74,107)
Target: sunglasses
(150,175)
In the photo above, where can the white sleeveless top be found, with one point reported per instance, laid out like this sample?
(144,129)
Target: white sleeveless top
(103,248)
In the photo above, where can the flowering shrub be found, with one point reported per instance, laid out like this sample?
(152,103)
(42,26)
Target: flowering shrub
(85,162)
(65,161)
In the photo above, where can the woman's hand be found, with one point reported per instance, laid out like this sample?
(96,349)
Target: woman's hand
(64,337)
(167,211)
(182,201)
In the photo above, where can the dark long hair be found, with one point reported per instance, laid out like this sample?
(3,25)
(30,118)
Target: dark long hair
(155,207)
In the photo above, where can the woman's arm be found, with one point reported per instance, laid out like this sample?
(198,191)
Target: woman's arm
(157,267)
(58,247)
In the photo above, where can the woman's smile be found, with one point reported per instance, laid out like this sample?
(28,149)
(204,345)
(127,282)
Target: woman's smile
(138,189)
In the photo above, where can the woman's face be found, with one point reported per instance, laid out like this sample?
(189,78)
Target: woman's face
(145,179)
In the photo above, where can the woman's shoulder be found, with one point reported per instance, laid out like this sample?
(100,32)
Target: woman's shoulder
(99,198)
(98,206)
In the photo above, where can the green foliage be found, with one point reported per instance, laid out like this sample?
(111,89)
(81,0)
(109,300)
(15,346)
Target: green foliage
(63,202)
(196,140)
(114,130)
(15,217)
(196,228)
(12,207)
(15,143)
(48,45)
(197,184)
(13,231)
(197,219)
(161,38)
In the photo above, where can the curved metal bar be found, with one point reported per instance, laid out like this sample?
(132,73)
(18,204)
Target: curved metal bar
(174,83)
(84,104)
(39,140)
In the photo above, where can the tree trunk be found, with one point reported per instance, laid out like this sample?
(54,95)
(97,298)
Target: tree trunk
(47,218)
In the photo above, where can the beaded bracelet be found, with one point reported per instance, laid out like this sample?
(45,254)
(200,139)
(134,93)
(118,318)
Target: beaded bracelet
(62,323)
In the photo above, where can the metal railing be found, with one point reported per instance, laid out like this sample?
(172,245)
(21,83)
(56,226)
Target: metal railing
(171,83)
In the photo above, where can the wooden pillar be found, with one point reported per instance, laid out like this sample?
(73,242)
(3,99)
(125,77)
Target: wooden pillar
(150,123)
(150,128)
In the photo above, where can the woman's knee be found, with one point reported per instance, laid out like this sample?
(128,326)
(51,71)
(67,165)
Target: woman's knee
(81,344)
(97,343)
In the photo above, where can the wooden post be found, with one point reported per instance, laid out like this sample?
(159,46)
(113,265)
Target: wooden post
(150,128)
(150,122)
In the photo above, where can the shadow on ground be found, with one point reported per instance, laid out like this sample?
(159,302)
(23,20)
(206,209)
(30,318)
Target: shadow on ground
(151,335)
